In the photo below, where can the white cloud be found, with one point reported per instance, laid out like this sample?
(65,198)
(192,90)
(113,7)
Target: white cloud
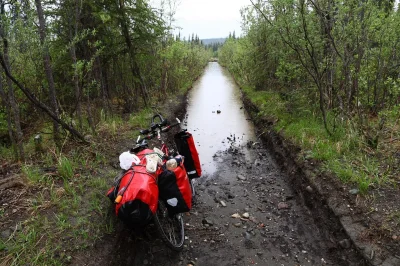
(209,18)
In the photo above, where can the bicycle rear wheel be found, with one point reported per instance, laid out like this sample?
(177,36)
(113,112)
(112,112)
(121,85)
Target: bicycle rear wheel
(192,187)
(170,227)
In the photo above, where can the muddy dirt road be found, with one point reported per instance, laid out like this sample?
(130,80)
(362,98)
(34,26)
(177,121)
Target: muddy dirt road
(246,212)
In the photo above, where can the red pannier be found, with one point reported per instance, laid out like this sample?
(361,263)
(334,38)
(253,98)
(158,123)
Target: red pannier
(185,143)
(175,190)
(137,194)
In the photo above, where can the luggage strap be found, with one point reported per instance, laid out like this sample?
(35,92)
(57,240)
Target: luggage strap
(121,192)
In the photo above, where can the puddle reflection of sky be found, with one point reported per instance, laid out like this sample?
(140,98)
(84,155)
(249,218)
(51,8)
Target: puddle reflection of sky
(214,91)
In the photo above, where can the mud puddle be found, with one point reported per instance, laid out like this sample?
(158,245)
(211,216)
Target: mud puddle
(215,115)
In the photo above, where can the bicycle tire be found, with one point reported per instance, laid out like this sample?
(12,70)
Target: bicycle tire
(171,228)
(191,181)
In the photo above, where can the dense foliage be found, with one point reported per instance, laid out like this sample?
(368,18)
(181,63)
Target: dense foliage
(343,55)
(332,62)
(77,60)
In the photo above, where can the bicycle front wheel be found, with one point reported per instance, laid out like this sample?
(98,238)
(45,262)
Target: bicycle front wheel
(171,227)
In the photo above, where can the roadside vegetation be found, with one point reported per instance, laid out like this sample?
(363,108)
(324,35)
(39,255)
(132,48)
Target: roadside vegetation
(77,77)
(326,73)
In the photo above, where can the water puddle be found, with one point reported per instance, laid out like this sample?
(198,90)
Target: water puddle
(213,131)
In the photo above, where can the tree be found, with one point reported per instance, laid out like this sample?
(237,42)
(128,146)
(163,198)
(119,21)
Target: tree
(100,57)
(37,103)
(48,68)
(339,54)
(10,101)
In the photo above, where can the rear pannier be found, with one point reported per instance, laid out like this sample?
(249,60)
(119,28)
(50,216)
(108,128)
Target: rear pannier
(175,190)
(136,194)
(187,148)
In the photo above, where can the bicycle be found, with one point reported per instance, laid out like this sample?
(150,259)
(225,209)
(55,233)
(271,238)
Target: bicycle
(170,227)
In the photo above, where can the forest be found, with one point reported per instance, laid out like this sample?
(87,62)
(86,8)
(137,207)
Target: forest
(326,74)
(77,78)
(68,65)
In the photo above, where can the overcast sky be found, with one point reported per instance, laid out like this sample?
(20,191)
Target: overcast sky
(209,18)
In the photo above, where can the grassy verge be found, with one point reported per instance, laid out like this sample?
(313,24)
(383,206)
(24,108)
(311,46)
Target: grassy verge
(64,209)
(344,154)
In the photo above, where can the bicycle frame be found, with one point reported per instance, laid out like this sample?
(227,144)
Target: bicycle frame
(164,147)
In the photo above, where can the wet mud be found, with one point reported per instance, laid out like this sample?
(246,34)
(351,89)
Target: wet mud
(245,214)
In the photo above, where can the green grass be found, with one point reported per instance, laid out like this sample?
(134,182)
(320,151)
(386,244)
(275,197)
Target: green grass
(33,174)
(343,171)
(42,234)
(338,154)
(141,119)
(6,153)
(359,170)
(2,245)
(73,207)
(65,168)
(62,221)
(110,124)
(23,245)
(268,103)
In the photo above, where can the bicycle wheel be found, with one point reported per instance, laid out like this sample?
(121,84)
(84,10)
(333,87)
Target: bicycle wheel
(191,181)
(170,227)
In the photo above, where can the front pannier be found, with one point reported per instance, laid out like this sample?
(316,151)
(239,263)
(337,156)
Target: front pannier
(175,190)
(187,148)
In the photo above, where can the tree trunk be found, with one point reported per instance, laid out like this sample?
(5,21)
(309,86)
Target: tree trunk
(74,60)
(103,91)
(163,78)
(48,68)
(6,104)
(134,67)
(15,113)
(11,96)
(90,117)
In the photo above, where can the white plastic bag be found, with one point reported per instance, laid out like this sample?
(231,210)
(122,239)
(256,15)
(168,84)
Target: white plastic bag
(126,159)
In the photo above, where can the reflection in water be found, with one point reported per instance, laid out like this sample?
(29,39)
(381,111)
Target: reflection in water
(216,90)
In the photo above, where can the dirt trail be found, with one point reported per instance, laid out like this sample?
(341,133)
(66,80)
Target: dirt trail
(278,231)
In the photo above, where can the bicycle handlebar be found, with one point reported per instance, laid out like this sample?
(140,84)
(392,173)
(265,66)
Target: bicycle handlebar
(154,130)
(157,128)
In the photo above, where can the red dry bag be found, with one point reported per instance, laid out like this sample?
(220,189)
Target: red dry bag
(136,194)
(175,190)
(186,147)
